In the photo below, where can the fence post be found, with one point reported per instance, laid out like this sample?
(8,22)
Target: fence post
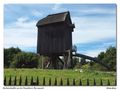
(5,80)
(15,82)
(31,80)
(44,81)
(10,80)
(68,81)
(26,81)
(61,82)
(20,82)
(108,83)
(101,83)
(115,82)
(80,83)
(87,82)
(94,82)
(74,82)
(49,81)
(55,82)
(37,82)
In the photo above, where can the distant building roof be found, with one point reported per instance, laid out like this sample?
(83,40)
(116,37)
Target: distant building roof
(53,18)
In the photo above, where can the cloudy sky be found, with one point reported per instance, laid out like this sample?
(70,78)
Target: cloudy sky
(95,25)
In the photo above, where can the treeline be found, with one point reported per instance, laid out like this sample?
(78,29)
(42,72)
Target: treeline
(15,58)
(108,57)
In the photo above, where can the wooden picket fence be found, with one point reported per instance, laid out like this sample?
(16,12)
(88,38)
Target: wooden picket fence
(18,81)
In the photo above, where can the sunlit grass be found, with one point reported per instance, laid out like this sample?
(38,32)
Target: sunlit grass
(64,74)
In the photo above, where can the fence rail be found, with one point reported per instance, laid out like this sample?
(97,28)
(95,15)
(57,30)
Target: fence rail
(36,81)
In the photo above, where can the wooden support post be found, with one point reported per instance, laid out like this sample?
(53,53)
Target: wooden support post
(54,62)
(69,62)
(42,61)
(68,59)
(48,64)
(65,61)
(51,63)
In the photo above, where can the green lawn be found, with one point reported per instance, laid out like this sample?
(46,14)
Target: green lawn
(64,74)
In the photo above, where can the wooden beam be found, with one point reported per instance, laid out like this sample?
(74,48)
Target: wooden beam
(93,59)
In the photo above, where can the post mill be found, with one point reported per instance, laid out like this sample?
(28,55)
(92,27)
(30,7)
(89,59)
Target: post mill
(55,40)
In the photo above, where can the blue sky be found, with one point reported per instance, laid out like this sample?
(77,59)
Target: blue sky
(95,25)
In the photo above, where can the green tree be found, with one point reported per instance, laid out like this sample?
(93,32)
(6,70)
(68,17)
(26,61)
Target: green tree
(109,57)
(9,54)
(25,60)
(101,56)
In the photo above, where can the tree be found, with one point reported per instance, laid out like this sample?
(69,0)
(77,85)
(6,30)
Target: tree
(25,60)
(9,54)
(101,55)
(109,57)
(15,58)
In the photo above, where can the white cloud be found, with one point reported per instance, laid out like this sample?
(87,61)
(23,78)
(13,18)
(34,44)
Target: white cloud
(17,37)
(58,8)
(22,19)
(22,22)
(96,11)
(37,13)
(109,44)
(94,53)
(92,36)
(21,33)
(91,30)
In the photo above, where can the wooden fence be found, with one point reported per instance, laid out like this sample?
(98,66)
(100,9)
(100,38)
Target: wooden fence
(18,81)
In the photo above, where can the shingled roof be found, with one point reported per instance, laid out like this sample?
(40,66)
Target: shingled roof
(53,18)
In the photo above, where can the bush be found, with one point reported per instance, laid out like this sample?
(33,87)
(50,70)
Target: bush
(109,57)
(25,60)
(9,55)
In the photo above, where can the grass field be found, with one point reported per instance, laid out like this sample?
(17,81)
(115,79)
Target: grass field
(64,74)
